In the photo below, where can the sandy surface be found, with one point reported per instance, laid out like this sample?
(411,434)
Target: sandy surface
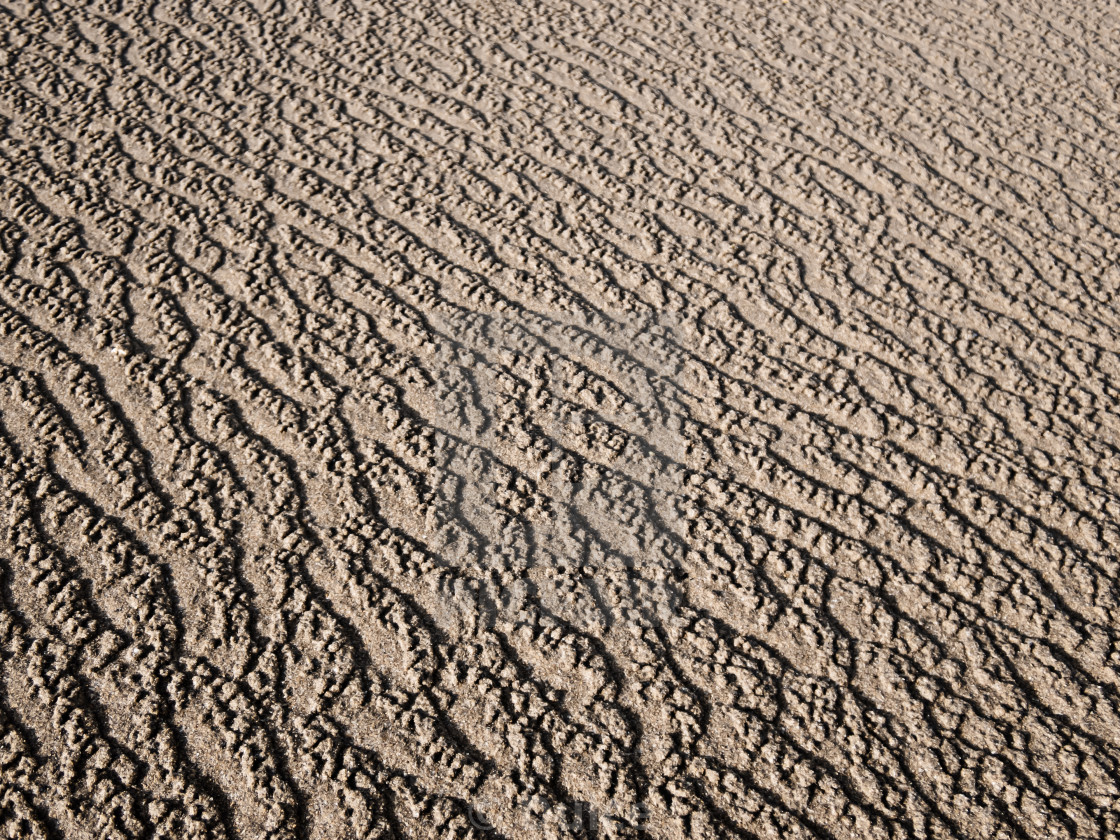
(559,419)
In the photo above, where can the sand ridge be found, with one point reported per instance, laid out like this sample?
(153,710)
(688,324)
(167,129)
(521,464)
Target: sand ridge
(559,419)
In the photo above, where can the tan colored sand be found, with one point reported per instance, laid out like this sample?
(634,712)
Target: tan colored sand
(559,419)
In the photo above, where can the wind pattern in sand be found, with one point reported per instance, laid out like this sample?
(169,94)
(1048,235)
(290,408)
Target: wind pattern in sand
(559,419)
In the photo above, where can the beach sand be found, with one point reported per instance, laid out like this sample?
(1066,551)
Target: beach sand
(560,419)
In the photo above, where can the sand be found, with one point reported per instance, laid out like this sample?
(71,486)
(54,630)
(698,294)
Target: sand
(562,419)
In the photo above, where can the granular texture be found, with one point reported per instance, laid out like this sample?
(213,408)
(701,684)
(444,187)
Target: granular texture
(560,419)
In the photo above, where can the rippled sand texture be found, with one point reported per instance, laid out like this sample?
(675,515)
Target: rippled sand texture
(559,419)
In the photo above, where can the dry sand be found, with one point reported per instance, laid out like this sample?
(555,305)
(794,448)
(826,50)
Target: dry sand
(561,419)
